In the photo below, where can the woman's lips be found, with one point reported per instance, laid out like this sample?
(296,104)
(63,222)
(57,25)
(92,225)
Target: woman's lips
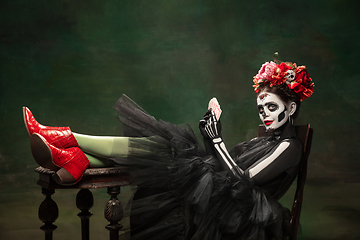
(267,122)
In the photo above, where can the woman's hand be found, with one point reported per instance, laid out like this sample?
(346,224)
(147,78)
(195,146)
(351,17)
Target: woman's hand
(209,126)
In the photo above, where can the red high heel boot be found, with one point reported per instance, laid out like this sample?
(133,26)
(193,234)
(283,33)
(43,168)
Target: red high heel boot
(70,163)
(60,137)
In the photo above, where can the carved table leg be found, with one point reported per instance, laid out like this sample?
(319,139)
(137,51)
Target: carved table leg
(48,213)
(84,201)
(114,213)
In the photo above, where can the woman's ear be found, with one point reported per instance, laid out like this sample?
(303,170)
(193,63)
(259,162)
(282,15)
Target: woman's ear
(292,108)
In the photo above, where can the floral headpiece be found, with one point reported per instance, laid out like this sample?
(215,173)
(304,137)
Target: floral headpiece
(296,78)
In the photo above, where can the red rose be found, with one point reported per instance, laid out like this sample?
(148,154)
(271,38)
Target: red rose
(299,88)
(293,85)
(283,67)
(303,77)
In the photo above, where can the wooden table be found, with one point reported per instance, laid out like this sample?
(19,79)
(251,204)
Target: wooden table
(111,178)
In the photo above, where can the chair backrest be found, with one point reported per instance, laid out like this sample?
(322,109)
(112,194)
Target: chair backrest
(304,134)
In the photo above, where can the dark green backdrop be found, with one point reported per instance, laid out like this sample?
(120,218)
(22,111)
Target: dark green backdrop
(69,61)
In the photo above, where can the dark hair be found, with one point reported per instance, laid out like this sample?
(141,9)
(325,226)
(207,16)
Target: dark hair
(285,94)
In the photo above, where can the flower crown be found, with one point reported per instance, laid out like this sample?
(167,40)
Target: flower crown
(296,78)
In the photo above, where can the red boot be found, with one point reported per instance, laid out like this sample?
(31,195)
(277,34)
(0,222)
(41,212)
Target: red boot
(70,163)
(60,137)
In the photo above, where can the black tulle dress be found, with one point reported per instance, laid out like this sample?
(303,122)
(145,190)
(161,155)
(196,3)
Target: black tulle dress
(184,194)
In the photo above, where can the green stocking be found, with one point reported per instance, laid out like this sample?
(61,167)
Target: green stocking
(104,147)
(97,162)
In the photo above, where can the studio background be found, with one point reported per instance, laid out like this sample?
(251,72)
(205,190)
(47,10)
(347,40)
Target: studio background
(69,62)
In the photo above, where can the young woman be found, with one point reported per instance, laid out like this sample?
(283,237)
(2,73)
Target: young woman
(186,192)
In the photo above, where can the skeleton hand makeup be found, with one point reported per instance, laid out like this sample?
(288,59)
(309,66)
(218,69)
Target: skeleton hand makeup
(273,112)
(210,128)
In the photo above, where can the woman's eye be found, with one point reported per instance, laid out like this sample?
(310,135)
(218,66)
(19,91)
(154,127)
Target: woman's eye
(272,107)
(261,110)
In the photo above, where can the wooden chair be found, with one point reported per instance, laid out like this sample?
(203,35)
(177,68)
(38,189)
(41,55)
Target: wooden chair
(304,134)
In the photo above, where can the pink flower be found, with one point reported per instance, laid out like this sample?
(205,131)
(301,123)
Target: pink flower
(266,71)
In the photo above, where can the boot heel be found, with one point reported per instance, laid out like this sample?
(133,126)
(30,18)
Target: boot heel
(42,152)
(63,177)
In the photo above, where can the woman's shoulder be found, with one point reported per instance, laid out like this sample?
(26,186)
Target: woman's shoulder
(293,143)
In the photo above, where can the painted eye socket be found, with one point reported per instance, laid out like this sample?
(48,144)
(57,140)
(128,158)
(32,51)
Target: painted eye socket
(261,110)
(273,107)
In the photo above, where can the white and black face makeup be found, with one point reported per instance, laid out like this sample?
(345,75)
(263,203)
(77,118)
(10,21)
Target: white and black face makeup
(273,112)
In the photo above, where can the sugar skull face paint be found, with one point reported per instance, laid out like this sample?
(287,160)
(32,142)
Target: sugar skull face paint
(272,111)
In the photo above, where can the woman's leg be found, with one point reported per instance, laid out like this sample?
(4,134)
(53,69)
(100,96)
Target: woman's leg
(97,162)
(104,147)
(63,137)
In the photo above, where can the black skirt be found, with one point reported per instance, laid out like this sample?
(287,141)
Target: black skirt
(182,194)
